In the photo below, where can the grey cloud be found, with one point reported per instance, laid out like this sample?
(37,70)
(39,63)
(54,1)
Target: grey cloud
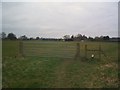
(57,19)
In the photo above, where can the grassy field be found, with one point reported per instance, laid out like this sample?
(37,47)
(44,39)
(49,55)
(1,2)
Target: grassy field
(48,64)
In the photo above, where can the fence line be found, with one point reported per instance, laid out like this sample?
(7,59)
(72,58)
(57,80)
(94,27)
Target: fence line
(47,49)
(93,50)
(57,50)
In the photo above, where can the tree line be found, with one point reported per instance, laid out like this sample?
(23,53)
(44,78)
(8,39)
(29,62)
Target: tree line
(78,37)
(12,36)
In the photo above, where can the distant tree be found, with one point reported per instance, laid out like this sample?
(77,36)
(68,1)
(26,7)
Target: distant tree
(90,38)
(11,36)
(97,38)
(72,37)
(31,38)
(84,37)
(37,38)
(66,37)
(101,38)
(24,37)
(106,38)
(3,35)
(78,37)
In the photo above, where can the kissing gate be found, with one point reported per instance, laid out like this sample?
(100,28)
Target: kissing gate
(99,51)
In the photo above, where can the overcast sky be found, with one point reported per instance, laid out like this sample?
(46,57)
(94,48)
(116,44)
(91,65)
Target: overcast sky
(56,19)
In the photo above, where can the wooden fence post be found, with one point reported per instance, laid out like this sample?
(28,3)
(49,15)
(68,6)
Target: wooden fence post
(86,51)
(77,51)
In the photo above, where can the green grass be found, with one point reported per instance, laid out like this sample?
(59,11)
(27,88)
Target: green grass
(51,65)
(10,48)
(30,72)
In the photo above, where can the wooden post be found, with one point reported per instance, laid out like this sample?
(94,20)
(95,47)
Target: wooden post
(100,52)
(77,51)
(86,51)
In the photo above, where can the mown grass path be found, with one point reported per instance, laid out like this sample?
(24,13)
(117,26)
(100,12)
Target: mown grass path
(61,79)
